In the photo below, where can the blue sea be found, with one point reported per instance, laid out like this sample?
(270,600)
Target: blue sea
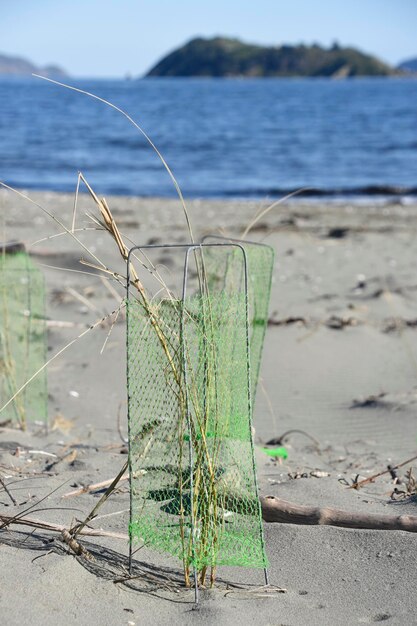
(222,138)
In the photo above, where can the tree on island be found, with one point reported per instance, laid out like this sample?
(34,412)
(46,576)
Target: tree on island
(223,57)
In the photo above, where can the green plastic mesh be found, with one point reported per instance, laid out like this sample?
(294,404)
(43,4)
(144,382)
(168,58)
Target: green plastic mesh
(260,269)
(22,338)
(188,388)
(260,260)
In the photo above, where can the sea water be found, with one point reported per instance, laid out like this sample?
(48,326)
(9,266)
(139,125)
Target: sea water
(240,138)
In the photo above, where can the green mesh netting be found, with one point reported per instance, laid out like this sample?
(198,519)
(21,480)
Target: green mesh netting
(260,260)
(188,387)
(22,338)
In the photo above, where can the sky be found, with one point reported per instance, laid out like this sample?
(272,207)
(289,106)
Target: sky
(113,38)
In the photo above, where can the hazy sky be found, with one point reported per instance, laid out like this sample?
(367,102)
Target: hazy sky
(115,37)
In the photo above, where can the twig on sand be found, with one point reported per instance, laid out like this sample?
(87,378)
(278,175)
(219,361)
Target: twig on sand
(42,525)
(371,479)
(77,529)
(277,510)
(278,441)
(63,324)
(3,484)
(93,487)
(119,428)
(75,545)
(64,534)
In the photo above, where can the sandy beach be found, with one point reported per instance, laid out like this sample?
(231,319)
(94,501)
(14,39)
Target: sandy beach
(340,365)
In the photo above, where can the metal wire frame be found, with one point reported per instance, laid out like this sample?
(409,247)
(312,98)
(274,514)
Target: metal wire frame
(188,248)
(235,240)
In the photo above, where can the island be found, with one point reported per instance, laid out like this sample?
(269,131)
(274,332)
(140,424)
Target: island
(17,66)
(225,57)
(409,66)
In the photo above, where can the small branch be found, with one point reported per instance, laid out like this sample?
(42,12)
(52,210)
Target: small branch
(278,441)
(277,510)
(84,301)
(3,484)
(93,487)
(75,531)
(40,524)
(63,324)
(371,479)
(75,545)
(43,453)
(119,428)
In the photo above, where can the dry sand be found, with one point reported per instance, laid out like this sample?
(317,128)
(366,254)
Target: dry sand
(339,364)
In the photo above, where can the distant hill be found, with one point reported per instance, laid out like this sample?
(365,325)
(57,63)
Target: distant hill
(16,66)
(221,57)
(409,66)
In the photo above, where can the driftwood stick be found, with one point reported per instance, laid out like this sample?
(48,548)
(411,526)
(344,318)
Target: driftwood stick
(101,485)
(277,510)
(93,487)
(36,523)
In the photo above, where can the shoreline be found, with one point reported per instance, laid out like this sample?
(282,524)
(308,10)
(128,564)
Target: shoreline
(372,194)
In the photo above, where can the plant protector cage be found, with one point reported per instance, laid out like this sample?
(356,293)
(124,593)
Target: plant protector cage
(22,337)
(191,380)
